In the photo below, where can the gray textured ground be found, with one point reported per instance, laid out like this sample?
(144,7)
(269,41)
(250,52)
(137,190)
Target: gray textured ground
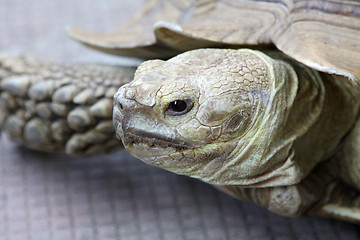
(53,196)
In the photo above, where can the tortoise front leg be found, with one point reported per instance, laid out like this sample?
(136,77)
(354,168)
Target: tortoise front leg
(340,201)
(319,194)
(59,107)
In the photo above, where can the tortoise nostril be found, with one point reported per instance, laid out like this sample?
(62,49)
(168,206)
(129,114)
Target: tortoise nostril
(118,105)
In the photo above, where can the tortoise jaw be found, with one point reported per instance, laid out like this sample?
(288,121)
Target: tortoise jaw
(147,139)
(138,136)
(147,146)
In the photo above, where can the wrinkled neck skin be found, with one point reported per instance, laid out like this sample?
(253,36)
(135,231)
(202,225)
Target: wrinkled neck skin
(268,131)
(313,125)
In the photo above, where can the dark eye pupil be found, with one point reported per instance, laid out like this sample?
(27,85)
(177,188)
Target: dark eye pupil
(178,106)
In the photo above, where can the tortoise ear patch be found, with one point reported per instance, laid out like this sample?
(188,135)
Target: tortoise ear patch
(239,121)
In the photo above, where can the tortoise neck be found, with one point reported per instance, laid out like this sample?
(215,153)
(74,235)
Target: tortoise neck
(327,107)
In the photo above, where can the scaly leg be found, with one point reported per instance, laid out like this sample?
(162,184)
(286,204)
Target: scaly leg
(319,194)
(59,107)
(343,197)
(340,201)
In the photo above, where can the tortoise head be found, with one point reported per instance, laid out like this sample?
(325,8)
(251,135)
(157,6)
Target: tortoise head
(212,114)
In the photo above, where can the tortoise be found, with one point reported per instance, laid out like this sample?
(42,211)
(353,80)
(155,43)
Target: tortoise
(258,98)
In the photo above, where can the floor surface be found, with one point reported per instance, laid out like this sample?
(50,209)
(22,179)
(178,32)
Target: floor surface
(53,196)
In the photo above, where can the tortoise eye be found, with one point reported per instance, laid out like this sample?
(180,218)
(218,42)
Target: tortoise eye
(179,107)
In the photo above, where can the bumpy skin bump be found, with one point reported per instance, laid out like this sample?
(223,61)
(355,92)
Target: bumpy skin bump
(58,107)
(252,122)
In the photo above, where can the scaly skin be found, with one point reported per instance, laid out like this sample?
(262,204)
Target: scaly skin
(60,107)
(239,119)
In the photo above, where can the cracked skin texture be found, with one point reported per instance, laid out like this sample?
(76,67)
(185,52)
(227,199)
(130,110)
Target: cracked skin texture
(260,127)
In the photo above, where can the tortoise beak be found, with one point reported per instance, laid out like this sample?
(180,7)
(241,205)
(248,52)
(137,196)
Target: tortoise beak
(136,123)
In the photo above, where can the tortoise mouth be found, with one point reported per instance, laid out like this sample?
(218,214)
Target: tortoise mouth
(149,147)
(152,140)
